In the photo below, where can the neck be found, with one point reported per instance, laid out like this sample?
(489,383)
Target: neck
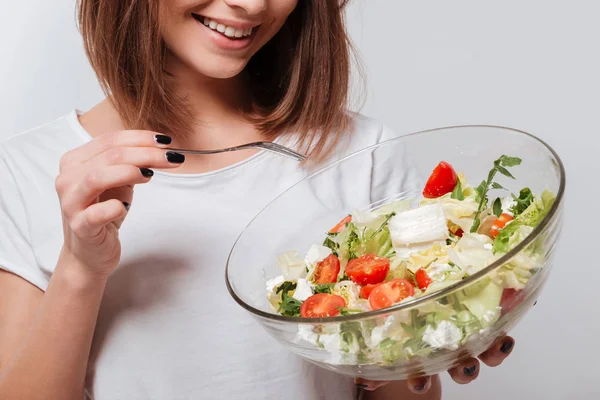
(216,106)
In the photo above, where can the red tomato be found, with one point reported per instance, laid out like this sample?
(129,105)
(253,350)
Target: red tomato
(327,270)
(442,180)
(390,292)
(366,290)
(368,269)
(341,225)
(510,299)
(322,305)
(422,278)
(500,223)
(459,233)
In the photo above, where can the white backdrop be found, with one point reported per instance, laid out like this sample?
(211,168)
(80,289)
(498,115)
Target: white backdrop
(533,65)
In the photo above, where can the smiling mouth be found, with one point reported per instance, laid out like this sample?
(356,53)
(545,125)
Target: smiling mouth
(229,32)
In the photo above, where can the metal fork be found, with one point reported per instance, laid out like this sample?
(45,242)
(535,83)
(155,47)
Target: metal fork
(269,146)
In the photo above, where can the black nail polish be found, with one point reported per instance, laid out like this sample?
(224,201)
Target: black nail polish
(163,139)
(146,172)
(175,158)
(361,386)
(127,205)
(471,370)
(419,388)
(506,346)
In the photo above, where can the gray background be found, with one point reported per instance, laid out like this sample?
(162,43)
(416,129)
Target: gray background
(532,65)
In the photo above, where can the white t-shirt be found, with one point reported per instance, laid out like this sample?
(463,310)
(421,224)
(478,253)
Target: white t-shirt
(167,329)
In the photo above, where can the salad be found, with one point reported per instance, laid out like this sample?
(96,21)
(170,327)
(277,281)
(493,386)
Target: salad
(373,259)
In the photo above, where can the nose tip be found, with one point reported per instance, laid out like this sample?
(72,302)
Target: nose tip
(252,7)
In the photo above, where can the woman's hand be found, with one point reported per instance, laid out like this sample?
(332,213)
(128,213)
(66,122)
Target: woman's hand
(95,189)
(466,372)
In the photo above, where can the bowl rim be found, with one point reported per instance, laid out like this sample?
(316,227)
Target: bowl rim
(415,301)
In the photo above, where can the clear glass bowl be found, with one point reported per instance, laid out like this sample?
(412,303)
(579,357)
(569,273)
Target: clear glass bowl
(395,169)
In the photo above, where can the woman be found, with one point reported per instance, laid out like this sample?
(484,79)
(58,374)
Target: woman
(122,297)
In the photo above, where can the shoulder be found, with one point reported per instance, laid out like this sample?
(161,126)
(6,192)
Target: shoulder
(364,131)
(39,149)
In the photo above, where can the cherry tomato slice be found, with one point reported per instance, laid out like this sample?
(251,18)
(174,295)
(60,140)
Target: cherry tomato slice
(366,290)
(368,269)
(327,270)
(443,180)
(422,278)
(322,305)
(500,223)
(341,225)
(390,293)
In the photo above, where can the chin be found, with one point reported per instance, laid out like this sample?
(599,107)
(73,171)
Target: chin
(220,68)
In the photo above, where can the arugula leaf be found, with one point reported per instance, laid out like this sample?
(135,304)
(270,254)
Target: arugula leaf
(504,171)
(323,288)
(497,207)
(285,287)
(382,226)
(496,185)
(482,189)
(510,161)
(522,202)
(289,306)
(457,193)
(333,245)
(351,243)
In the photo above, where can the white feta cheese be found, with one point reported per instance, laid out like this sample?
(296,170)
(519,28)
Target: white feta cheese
(291,265)
(420,225)
(316,254)
(275,282)
(445,336)
(303,290)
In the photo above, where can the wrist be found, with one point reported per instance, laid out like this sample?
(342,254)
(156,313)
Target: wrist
(77,274)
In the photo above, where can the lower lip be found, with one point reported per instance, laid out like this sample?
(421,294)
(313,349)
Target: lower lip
(226,43)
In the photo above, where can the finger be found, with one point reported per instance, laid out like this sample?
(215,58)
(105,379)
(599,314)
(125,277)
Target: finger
(130,138)
(124,194)
(419,385)
(466,372)
(141,157)
(368,384)
(89,223)
(95,182)
(496,354)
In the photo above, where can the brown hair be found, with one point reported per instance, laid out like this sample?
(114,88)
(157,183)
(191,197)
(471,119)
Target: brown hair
(299,80)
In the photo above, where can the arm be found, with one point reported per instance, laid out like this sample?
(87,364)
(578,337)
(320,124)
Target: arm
(46,338)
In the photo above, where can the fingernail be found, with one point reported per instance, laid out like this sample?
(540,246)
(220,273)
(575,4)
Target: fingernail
(162,139)
(175,158)
(471,370)
(506,346)
(148,173)
(127,205)
(420,386)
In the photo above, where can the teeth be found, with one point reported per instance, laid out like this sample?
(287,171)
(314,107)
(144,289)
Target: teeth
(227,30)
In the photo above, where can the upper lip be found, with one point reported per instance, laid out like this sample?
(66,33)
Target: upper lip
(227,22)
